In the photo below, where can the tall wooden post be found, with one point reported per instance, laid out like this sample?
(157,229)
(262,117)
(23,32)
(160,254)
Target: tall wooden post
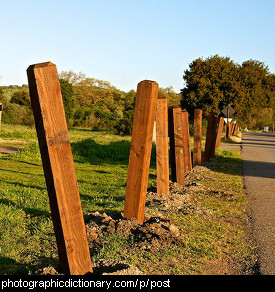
(176,145)
(197,137)
(140,152)
(234,129)
(219,133)
(162,152)
(227,130)
(59,170)
(186,141)
(231,129)
(210,137)
(213,137)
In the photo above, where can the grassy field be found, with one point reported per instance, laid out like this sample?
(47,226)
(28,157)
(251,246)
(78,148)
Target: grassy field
(212,245)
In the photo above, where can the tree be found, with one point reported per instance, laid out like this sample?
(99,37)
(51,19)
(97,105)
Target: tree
(72,77)
(3,98)
(99,104)
(21,97)
(209,85)
(172,97)
(68,99)
(257,89)
(124,125)
(213,83)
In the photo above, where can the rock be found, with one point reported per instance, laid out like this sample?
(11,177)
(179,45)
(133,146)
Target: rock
(109,267)
(174,230)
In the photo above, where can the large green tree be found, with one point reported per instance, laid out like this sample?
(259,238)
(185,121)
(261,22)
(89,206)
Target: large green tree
(213,83)
(21,97)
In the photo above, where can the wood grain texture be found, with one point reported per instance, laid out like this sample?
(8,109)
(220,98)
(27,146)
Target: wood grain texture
(59,170)
(176,145)
(140,152)
(219,133)
(197,137)
(213,136)
(234,129)
(209,137)
(162,143)
(186,141)
(228,130)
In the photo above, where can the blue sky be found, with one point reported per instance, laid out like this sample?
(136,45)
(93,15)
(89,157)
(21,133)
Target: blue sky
(126,41)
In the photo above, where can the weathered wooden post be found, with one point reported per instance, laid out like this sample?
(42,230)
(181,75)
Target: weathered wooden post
(140,152)
(176,145)
(210,137)
(234,129)
(57,160)
(228,130)
(219,133)
(186,141)
(162,151)
(214,137)
(197,137)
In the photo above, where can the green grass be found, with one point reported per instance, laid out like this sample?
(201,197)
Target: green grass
(27,240)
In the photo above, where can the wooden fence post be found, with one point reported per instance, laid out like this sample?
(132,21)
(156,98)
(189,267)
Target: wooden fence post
(227,130)
(57,160)
(176,145)
(186,141)
(210,138)
(219,133)
(162,151)
(234,129)
(214,136)
(140,152)
(231,129)
(197,137)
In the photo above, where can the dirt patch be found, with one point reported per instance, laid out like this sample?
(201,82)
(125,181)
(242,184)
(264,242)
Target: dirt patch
(158,231)
(179,200)
(154,234)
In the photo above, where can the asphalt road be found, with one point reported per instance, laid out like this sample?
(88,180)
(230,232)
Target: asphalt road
(258,154)
(9,149)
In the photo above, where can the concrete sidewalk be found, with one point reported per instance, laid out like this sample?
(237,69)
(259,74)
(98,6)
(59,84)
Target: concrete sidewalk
(258,154)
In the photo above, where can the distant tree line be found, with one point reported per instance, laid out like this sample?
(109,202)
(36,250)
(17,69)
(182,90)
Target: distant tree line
(209,84)
(88,102)
(215,82)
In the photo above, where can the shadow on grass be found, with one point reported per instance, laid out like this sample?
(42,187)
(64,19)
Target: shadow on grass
(21,172)
(24,185)
(226,162)
(89,151)
(11,267)
(29,211)
(229,162)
